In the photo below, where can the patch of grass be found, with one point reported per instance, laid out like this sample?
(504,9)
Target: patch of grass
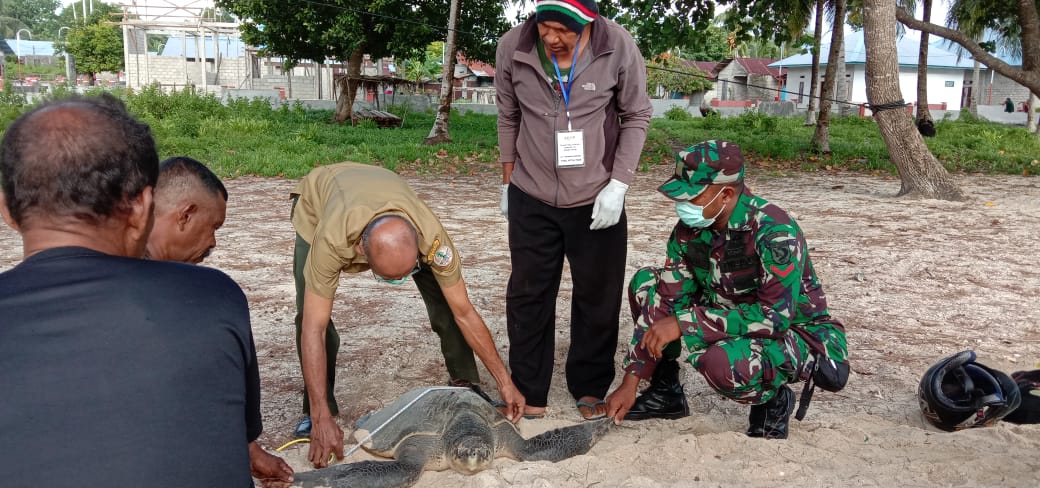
(968,145)
(249,137)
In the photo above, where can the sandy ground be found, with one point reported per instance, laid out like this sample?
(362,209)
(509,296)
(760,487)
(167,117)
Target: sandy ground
(913,281)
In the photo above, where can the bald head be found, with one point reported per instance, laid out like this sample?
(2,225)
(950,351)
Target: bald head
(391,246)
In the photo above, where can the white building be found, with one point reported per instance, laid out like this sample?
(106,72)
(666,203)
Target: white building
(946,73)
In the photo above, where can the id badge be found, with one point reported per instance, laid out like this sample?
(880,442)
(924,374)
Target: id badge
(570,149)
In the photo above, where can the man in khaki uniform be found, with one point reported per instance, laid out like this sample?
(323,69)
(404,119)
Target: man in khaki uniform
(354,218)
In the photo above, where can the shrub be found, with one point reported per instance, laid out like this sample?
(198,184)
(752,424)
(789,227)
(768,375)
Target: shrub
(756,120)
(677,113)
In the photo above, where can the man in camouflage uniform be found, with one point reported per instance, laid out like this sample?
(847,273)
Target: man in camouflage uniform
(738,292)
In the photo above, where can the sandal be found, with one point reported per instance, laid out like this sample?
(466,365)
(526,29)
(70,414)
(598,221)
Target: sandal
(591,405)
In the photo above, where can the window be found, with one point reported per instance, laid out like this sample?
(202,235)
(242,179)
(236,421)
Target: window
(949,83)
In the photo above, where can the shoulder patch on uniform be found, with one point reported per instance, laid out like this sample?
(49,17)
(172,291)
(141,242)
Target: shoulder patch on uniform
(779,247)
(433,250)
(443,256)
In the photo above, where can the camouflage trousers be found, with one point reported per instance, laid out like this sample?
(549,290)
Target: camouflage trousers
(749,370)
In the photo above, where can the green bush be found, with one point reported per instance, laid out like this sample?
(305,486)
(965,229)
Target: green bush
(12,104)
(677,113)
(756,120)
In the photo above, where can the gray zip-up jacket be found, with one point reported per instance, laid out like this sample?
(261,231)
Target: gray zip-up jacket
(608,101)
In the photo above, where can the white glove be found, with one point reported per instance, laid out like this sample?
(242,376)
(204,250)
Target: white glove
(609,204)
(504,203)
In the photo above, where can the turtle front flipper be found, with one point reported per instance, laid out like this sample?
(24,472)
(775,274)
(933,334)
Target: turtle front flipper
(401,473)
(375,474)
(557,444)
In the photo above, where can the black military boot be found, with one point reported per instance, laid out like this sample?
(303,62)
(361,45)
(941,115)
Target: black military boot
(771,418)
(664,398)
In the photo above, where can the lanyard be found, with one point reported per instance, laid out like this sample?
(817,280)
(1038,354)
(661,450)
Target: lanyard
(565,88)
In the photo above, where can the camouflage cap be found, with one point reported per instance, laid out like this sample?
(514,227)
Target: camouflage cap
(703,164)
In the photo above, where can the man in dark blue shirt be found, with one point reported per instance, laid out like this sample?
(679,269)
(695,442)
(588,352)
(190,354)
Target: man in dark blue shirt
(115,371)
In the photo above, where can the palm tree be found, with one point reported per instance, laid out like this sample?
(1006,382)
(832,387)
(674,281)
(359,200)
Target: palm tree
(1018,23)
(923,113)
(439,131)
(419,72)
(821,137)
(920,173)
(814,76)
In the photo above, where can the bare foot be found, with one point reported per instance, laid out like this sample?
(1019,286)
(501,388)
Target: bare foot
(534,412)
(591,408)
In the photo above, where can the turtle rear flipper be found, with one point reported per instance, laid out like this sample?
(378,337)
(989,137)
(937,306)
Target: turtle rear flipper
(400,473)
(557,444)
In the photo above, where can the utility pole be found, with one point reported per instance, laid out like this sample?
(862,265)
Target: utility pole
(70,73)
(18,49)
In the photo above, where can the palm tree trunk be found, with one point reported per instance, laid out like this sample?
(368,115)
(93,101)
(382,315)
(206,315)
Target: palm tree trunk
(922,70)
(814,77)
(821,141)
(920,173)
(348,88)
(841,85)
(1031,107)
(439,131)
(976,92)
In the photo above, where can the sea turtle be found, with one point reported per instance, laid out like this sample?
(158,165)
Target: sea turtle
(445,428)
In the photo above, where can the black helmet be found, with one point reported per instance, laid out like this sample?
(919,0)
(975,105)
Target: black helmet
(958,393)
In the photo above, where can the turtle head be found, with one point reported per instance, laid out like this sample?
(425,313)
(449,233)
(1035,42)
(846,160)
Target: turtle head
(471,454)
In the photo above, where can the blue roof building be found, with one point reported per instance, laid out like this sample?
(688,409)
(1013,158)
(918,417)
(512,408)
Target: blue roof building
(27,47)
(946,73)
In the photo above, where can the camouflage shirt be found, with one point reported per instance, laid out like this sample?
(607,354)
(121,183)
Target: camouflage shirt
(754,279)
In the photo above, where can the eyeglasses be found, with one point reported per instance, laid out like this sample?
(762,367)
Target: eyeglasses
(399,281)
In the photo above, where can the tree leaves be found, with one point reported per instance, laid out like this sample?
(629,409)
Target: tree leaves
(96,48)
(305,29)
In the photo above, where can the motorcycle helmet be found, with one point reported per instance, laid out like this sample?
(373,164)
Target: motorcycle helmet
(958,393)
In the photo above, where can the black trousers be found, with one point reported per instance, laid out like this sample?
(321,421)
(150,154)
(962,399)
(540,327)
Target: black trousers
(540,237)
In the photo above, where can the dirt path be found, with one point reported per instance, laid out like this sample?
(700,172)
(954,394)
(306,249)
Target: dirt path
(912,280)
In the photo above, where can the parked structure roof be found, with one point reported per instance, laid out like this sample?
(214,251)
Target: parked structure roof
(856,53)
(29,47)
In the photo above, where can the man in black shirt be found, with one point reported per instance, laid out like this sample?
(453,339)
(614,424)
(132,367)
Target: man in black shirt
(190,205)
(115,371)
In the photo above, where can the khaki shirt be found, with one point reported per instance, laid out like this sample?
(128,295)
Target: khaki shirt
(337,202)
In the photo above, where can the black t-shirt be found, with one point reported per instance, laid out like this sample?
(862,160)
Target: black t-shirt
(124,372)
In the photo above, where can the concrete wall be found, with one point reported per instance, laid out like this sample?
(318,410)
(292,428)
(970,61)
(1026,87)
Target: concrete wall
(995,88)
(174,72)
(232,73)
(769,91)
(732,80)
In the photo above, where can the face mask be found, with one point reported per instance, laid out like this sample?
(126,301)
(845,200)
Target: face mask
(693,215)
(398,281)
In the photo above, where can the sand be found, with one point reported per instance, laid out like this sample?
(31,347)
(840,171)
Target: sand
(913,281)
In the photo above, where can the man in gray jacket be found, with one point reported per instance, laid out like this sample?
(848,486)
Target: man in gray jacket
(573,112)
